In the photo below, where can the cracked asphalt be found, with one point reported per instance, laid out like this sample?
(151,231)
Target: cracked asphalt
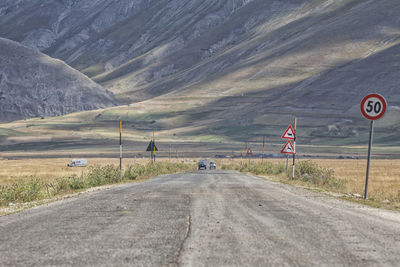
(205,218)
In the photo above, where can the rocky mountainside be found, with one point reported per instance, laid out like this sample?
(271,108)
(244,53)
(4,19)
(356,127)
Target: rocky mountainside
(255,63)
(35,85)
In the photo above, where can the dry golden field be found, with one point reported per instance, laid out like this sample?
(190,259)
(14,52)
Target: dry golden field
(52,168)
(384,180)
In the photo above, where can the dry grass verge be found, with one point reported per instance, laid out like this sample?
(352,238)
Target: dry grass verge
(345,177)
(306,172)
(27,190)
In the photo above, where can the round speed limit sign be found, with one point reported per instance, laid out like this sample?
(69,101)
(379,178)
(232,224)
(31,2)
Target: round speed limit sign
(373,106)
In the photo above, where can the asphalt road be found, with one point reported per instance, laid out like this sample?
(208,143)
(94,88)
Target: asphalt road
(201,219)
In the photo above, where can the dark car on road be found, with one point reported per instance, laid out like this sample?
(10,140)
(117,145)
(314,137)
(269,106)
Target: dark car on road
(202,165)
(213,166)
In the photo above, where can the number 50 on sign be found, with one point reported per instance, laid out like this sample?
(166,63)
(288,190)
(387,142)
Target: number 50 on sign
(373,106)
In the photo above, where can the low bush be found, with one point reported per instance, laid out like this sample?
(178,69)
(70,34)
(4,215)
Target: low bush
(61,185)
(133,172)
(21,191)
(309,171)
(103,175)
(76,183)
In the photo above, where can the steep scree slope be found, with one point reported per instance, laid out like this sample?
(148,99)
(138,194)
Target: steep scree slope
(33,84)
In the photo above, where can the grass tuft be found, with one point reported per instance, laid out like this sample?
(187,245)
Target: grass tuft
(21,191)
(309,171)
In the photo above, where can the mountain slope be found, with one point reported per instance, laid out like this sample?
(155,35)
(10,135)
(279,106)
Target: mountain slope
(33,85)
(251,65)
(136,38)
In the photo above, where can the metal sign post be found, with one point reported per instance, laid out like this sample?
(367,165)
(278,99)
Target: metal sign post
(371,136)
(154,147)
(263,145)
(287,165)
(294,146)
(249,154)
(373,107)
(120,149)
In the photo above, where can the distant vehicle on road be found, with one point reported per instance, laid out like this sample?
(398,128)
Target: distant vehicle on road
(213,166)
(202,165)
(78,163)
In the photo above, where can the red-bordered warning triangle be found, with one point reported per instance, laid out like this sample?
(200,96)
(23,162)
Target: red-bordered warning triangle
(288,148)
(289,133)
(249,152)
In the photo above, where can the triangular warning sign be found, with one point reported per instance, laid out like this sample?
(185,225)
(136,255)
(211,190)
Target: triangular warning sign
(249,153)
(151,146)
(289,133)
(288,148)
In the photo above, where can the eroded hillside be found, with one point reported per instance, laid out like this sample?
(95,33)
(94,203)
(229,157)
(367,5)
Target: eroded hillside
(35,85)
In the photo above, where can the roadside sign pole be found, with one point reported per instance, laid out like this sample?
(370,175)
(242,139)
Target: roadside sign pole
(294,145)
(120,149)
(294,162)
(287,165)
(371,136)
(154,147)
(247,157)
(262,159)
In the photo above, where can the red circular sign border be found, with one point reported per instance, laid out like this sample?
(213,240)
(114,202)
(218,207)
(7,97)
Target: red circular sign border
(383,110)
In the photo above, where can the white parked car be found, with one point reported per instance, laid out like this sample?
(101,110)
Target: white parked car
(78,163)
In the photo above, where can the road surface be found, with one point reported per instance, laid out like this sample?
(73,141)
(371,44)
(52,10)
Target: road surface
(205,218)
